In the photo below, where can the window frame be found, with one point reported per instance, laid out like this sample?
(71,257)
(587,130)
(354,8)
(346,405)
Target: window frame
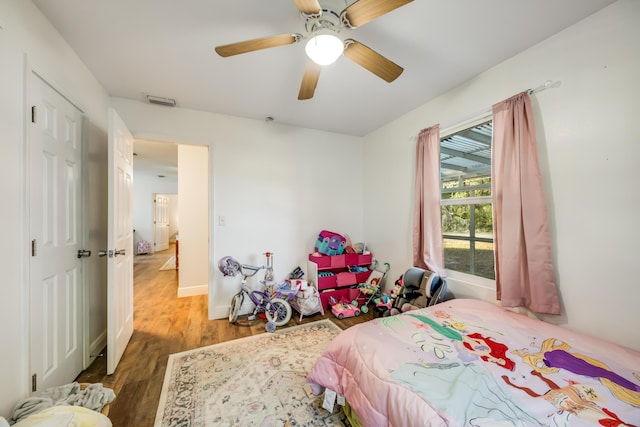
(454,274)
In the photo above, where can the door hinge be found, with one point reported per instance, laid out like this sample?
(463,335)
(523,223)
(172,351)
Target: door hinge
(34,382)
(33,114)
(34,247)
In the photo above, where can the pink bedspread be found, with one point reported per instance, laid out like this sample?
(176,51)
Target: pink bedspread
(471,363)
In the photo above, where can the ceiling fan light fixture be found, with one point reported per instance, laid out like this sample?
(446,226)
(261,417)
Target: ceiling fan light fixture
(324,49)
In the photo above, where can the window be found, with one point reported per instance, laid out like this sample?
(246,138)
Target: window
(466,201)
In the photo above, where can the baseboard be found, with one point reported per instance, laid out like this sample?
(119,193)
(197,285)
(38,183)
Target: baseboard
(191,291)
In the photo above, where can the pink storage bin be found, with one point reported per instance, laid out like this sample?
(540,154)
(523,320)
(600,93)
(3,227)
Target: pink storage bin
(340,261)
(362,277)
(323,261)
(346,278)
(327,282)
(326,261)
(365,259)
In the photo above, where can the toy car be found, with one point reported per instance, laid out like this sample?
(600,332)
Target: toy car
(343,309)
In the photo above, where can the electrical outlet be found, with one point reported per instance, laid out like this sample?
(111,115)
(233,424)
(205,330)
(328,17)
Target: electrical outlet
(222,221)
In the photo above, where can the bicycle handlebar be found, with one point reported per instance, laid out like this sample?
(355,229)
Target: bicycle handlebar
(253,268)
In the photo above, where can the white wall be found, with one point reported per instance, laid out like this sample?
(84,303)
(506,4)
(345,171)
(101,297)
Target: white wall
(28,41)
(589,156)
(193,205)
(277,186)
(144,187)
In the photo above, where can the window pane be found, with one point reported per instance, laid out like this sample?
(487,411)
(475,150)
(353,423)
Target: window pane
(469,257)
(457,255)
(455,219)
(483,221)
(467,220)
(484,265)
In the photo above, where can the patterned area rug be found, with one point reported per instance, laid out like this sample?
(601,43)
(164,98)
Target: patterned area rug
(254,381)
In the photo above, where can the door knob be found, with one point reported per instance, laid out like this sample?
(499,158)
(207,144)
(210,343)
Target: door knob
(83,253)
(112,253)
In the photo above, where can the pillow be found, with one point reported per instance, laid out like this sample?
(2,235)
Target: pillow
(65,416)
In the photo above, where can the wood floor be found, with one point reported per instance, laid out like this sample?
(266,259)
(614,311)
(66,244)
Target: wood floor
(165,324)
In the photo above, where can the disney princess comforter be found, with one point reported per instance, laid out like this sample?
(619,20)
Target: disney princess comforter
(471,363)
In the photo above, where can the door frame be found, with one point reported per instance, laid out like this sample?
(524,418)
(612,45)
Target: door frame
(146,135)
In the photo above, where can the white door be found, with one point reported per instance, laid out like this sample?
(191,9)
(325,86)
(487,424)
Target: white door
(119,241)
(55,228)
(161,222)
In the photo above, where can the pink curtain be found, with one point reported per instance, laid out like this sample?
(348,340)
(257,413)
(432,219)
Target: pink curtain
(524,266)
(427,228)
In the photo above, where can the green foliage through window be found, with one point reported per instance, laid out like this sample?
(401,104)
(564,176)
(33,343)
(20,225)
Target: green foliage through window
(467,217)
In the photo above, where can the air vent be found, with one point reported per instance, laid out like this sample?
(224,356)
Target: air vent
(168,102)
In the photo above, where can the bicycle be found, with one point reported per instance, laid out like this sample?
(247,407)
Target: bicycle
(277,310)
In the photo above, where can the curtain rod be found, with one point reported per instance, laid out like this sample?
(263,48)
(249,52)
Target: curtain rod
(547,85)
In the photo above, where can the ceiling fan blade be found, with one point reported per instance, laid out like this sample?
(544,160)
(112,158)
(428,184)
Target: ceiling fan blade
(363,11)
(372,60)
(257,44)
(309,80)
(308,7)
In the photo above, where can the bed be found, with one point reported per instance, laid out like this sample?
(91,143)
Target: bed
(471,363)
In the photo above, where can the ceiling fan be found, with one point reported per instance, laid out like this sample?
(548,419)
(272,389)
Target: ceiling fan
(323,20)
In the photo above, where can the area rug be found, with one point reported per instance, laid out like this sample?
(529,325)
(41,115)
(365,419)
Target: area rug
(170,264)
(253,381)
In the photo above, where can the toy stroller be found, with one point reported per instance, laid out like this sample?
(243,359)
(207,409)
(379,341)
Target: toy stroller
(371,289)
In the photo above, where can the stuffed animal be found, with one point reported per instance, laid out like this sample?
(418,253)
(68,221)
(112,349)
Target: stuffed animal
(389,298)
(396,294)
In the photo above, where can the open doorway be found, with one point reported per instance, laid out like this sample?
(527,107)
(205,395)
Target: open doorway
(164,206)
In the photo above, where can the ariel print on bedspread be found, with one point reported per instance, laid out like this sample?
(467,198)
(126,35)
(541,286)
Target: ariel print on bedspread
(483,398)
(476,364)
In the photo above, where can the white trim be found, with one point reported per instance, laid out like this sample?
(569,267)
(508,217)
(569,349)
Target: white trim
(472,280)
(480,200)
(193,291)
(25,249)
(468,123)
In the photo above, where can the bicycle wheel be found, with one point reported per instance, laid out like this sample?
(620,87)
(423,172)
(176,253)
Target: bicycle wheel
(236,302)
(270,327)
(278,311)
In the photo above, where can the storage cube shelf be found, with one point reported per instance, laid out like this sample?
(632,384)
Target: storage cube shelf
(341,282)
(329,262)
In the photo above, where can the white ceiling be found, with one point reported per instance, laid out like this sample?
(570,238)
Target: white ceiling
(157,160)
(165,48)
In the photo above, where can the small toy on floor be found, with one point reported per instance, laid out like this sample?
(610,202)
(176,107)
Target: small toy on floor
(343,308)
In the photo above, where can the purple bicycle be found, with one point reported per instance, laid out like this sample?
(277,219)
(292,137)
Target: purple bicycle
(277,310)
